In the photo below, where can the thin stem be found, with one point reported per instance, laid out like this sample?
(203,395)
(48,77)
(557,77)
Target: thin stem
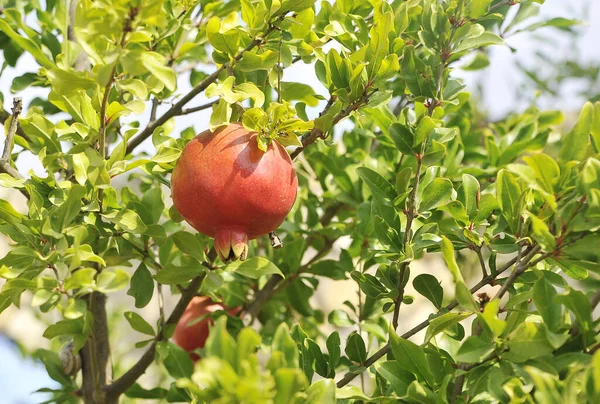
(208,105)
(513,276)
(484,270)
(400,288)
(154,110)
(5,161)
(317,133)
(12,129)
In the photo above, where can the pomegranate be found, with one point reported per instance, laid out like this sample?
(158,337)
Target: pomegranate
(193,336)
(224,186)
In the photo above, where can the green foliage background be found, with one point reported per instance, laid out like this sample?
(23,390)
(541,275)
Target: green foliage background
(420,172)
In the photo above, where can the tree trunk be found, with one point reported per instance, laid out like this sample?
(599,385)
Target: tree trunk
(95,353)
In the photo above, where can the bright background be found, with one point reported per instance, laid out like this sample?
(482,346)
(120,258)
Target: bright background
(501,88)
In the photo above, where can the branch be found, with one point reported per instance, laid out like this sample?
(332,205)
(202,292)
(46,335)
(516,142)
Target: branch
(198,108)
(177,108)
(120,385)
(5,164)
(10,137)
(477,250)
(272,287)
(19,132)
(531,251)
(317,133)
(96,351)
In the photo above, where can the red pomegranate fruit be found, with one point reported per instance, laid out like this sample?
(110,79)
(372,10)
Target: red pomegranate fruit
(224,186)
(191,331)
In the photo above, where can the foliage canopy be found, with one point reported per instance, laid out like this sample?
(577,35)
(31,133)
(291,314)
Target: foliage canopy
(421,172)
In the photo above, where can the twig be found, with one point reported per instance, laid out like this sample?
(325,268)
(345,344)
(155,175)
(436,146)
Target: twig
(12,130)
(531,251)
(477,250)
(519,269)
(154,110)
(317,133)
(5,161)
(191,110)
(177,108)
(120,385)
(19,132)
(400,289)
(502,3)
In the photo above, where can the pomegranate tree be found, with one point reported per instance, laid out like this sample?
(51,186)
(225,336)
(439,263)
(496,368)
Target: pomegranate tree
(226,187)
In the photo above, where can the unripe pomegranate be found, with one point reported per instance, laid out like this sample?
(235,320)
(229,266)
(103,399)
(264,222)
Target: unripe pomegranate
(193,336)
(224,186)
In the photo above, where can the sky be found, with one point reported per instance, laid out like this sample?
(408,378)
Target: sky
(19,377)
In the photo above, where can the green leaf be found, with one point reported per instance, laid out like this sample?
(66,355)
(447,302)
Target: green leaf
(221,114)
(321,365)
(436,193)
(443,322)
(469,194)
(379,186)
(546,170)
(156,65)
(64,327)
(190,244)
(479,8)
(412,358)
(67,82)
(579,304)
(251,62)
(166,155)
(138,323)
(429,287)
(254,268)
(322,392)
(508,192)
(8,213)
(127,219)
(474,349)
(543,299)
(220,343)
(299,92)
(425,127)
(288,382)
(111,280)
(450,259)
(403,138)
(528,341)
(464,297)
(171,274)
(227,41)
(541,233)
(177,361)
(398,377)
(485,39)
(26,44)
(283,342)
(333,349)
(339,318)
(53,366)
(490,316)
(355,348)
(575,144)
